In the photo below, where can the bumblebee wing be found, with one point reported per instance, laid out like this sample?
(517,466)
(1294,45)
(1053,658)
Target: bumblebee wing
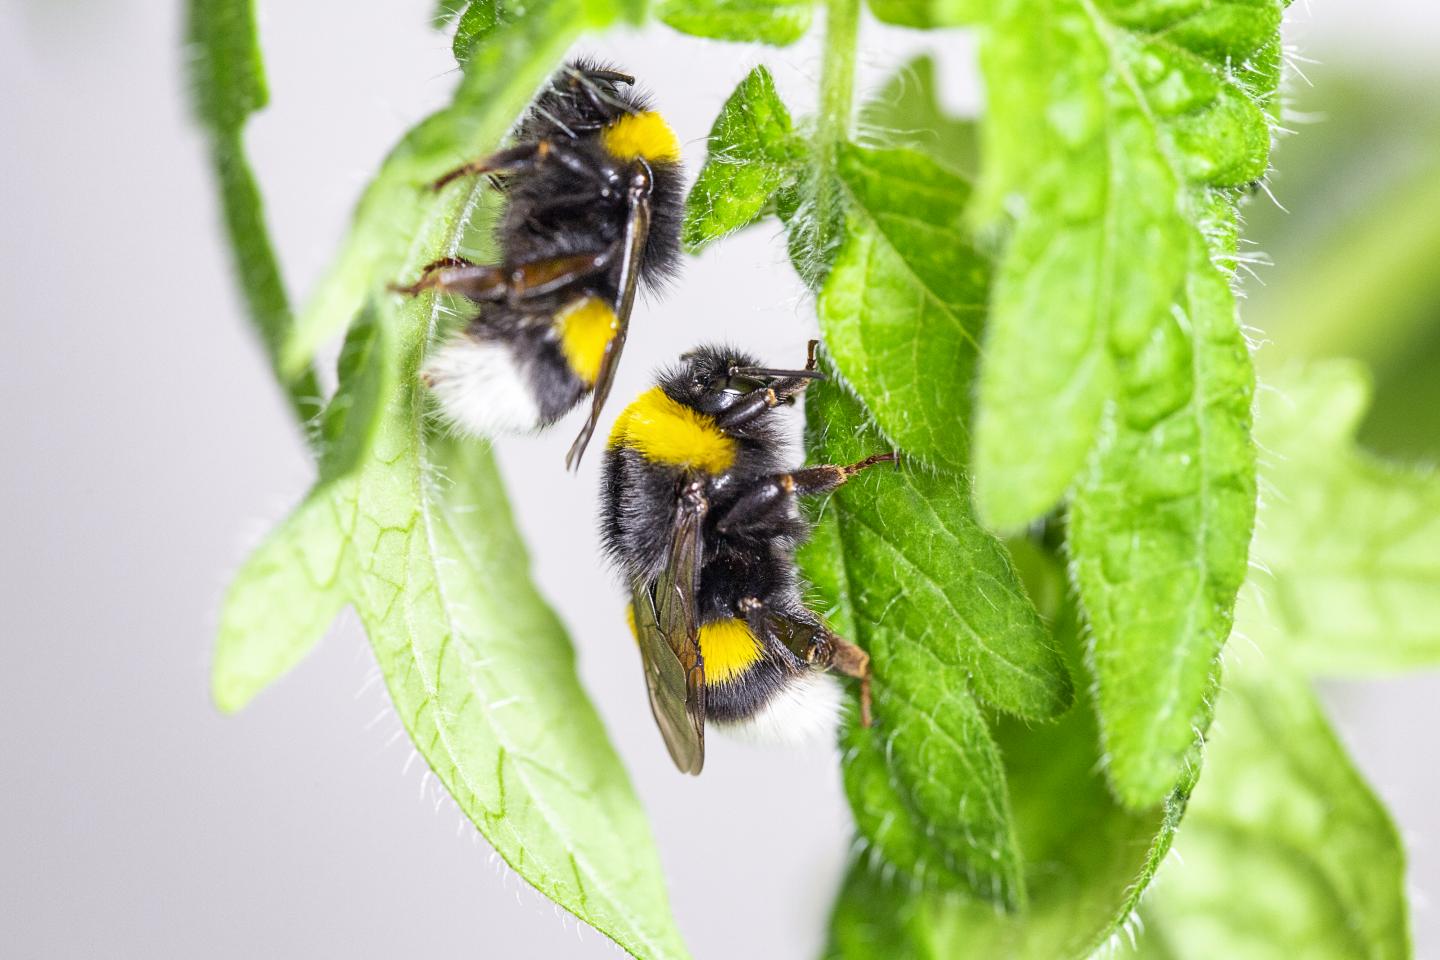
(667,629)
(637,232)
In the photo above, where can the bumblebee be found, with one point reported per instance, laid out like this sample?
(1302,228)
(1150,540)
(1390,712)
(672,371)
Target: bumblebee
(593,198)
(699,515)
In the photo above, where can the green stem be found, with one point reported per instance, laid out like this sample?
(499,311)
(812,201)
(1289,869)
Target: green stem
(837,107)
(227,76)
(257,271)
(837,79)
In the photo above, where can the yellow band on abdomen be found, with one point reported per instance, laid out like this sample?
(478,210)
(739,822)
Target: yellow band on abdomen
(586,328)
(729,649)
(665,431)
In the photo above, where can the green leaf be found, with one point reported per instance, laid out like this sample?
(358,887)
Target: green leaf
(418,538)
(478,21)
(446,11)
(227,85)
(1159,534)
(483,678)
(925,14)
(1088,860)
(902,306)
(347,427)
(1113,321)
(910,541)
(906,112)
(778,22)
(1348,565)
(280,603)
(936,602)
(752,154)
(1108,124)
(1359,281)
(1286,851)
(477,665)
(499,81)
(289,590)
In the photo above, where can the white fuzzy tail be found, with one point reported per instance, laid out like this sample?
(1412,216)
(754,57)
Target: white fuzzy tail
(804,711)
(481,388)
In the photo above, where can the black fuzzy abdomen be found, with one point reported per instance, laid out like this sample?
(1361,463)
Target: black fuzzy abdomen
(536,349)
(638,501)
(537,226)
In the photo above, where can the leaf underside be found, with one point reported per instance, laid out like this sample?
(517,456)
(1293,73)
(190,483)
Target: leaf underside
(413,530)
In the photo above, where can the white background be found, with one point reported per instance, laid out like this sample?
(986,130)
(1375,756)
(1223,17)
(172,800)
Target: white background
(143,449)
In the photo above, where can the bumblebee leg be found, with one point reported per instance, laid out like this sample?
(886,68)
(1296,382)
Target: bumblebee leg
(782,391)
(756,402)
(850,660)
(451,274)
(813,643)
(760,503)
(493,283)
(527,156)
(825,478)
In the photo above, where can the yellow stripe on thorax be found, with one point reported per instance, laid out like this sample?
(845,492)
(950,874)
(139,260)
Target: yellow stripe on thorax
(664,431)
(644,135)
(729,649)
(586,328)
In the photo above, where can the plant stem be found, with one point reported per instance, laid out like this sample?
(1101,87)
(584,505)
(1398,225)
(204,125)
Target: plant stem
(837,106)
(837,79)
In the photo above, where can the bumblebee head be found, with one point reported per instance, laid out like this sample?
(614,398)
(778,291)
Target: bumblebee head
(712,379)
(597,92)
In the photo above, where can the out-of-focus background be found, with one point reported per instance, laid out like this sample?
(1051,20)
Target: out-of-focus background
(143,449)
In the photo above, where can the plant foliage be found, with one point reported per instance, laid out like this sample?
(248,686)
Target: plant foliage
(1045,327)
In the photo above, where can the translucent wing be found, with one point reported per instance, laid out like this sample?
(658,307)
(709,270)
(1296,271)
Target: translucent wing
(637,233)
(668,632)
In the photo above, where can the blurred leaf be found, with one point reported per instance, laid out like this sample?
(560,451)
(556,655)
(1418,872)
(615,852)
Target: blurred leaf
(1349,546)
(289,590)
(925,14)
(280,602)
(752,154)
(906,112)
(348,426)
(419,539)
(936,602)
(446,11)
(438,574)
(1376,287)
(902,306)
(1113,129)
(480,19)
(777,22)
(227,79)
(1286,851)
(1087,860)
(1354,251)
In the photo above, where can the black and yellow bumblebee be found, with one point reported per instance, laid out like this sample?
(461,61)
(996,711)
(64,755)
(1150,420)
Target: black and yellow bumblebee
(699,514)
(593,198)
